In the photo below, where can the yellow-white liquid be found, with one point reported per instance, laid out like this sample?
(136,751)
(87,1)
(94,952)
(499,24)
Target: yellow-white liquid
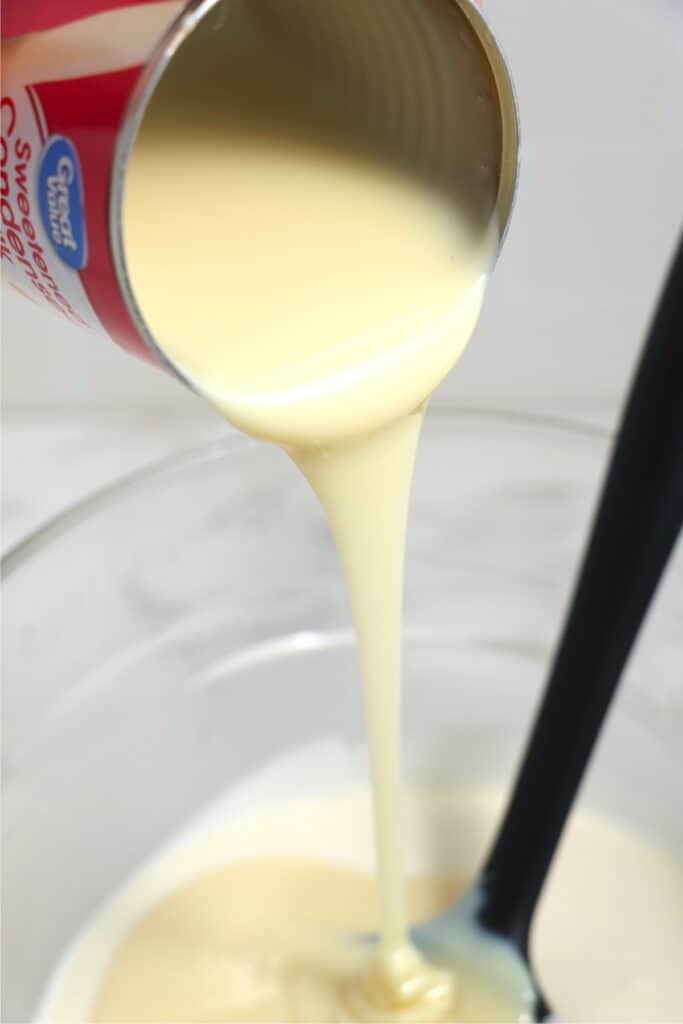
(309,221)
(248,917)
(313,258)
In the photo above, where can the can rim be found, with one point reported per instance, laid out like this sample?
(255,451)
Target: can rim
(179,30)
(509,108)
(147,81)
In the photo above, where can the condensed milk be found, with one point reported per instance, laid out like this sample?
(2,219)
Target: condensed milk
(326,271)
(192,935)
(307,234)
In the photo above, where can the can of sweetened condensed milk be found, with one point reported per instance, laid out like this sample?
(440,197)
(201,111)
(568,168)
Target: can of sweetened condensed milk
(78,76)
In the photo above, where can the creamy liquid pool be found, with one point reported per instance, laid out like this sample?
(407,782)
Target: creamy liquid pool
(309,222)
(242,919)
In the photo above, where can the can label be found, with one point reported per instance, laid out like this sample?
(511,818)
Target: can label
(28,254)
(69,68)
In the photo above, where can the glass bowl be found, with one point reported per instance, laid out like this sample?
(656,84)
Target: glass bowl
(174,633)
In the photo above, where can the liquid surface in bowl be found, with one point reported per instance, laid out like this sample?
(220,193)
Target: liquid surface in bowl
(312,255)
(245,921)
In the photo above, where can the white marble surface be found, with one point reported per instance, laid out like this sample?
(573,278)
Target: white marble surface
(53,459)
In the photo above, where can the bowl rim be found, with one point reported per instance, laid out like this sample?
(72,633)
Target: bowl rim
(70,517)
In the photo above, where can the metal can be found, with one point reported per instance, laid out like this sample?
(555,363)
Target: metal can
(77,76)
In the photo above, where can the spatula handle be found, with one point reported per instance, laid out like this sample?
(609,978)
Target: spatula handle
(637,522)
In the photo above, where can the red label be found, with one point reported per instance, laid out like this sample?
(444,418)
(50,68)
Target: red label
(89,114)
(29,263)
(22,16)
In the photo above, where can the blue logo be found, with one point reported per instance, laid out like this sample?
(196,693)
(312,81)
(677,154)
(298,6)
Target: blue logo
(60,195)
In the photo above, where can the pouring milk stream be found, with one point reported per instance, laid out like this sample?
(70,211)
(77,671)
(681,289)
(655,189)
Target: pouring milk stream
(309,213)
(325,274)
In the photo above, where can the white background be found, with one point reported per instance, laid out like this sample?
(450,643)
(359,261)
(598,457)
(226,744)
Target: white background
(600,204)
